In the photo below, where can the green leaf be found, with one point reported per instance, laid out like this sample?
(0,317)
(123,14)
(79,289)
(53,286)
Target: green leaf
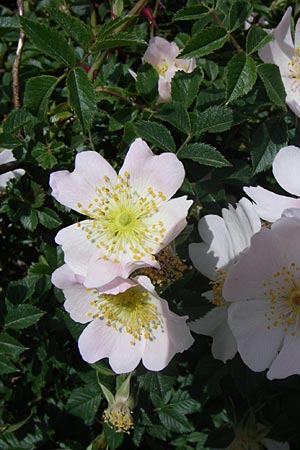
(176,114)
(269,138)
(118,40)
(84,403)
(114,439)
(10,346)
(44,155)
(82,97)
(6,366)
(190,13)
(49,218)
(240,76)
(156,134)
(112,25)
(8,23)
(19,291)
(172,414)
(29,218)
(156,383)
(37,94)
(270,75)
(147,83)
(9,141)
(205,42)
(74,27)
(256,38)
(239,12)
(17,119)
(213,120)
(49,41)
(203,154)
(22,317)
(185,86)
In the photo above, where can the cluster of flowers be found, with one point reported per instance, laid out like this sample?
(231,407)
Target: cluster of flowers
(254,270)
(131,219)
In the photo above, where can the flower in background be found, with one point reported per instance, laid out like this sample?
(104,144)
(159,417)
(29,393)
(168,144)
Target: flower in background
(127,327)
(130,215)
(224,238)
(285,53)
(264,286)
(286,169)
(162,55)
(6,156)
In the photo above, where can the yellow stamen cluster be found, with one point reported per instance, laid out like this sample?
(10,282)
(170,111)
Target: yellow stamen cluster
(122,224)
(283,291)
(171,269)
(162,67)
(217,287)
(131,311)
(294,64)
(118,416)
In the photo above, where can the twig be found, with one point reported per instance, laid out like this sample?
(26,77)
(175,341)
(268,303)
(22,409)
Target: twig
(17,61)
(220,23)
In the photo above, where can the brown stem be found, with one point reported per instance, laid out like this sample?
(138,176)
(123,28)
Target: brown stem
(220,23)
(17,61)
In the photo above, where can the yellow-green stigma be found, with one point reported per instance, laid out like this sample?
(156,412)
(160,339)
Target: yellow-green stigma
(283,292)
(217,288)
(294,64)
(162,67)
(121,224)
(132,311)
(119,417)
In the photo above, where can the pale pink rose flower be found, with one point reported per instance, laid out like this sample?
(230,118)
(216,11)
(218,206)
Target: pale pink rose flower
(286,169)
(264,287)
(224,238)
(285,53)
(130,216)
(162,55)
(6,156)
(128,327)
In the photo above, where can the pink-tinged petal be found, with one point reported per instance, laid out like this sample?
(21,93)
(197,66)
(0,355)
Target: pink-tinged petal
(286,168)
(6,156)
(133,74)
(217,249)
(164,90)
(79,186)
(245,279)
(163,173)
(275,445)
(297,34)
(78,298)
(215,324)
(5,177)
(64,277)
(79,251)
(174,337)
(242,223)
(281,50)
(293,102)
(288,360)
(257,344)
(124,357)
(97,341)
(159,49)
(187,65)
(173,216)
(203,259)
(270,206)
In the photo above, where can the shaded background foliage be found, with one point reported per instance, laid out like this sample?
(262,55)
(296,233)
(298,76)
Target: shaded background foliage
(226,122)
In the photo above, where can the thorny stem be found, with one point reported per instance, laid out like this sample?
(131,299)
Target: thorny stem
(17,61)
(220,23)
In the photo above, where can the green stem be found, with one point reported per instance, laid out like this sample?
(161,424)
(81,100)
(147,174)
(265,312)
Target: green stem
(220,23)
(189,137)
(96,64)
